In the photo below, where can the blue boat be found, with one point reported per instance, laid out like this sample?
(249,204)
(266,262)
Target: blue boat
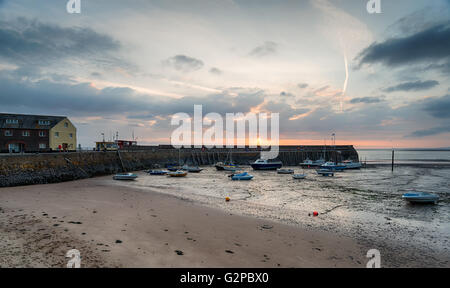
(262,164)
(421,197)
(241,176)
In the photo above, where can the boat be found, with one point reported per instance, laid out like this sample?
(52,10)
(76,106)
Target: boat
(263,164)
(228,165)
(349,164)
(178,173)
(311,164)
(421,197)
(230,168)
(190,169)
(299,176)
(325,172)
(332,166)
(285,171)
(241,176)
(157,172)
(125,176)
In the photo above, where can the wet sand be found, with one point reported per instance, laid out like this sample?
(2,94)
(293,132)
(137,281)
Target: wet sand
(119,226)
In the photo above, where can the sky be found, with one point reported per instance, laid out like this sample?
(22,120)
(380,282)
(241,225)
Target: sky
(326,66)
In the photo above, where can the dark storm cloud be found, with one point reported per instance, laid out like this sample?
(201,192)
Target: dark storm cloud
(85,100)
(184,63)
(430,132)
(26,43)
(366,100)
(412,86)
(265,49)
(432,44)
(438,107)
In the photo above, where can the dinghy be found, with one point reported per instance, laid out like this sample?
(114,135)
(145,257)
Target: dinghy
(325,172)
(125,176)
(178,173)
(157,172)
(285,171)
(190,169)
(241,176)
(299,176)
(421,197)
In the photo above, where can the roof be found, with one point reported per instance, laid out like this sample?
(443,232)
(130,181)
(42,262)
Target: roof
(29,121)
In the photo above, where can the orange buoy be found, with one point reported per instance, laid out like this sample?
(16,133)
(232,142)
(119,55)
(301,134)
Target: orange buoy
(227,199)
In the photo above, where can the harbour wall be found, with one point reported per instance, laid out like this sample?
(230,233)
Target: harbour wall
(28,169)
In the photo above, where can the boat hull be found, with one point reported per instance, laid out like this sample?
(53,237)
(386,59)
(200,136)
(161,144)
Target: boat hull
(421,198)
(266,166)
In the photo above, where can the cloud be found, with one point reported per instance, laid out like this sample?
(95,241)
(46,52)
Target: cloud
(83,99)
(412,86)
(429,132)
(286,94)
(32,43)
(366,100)
(215,71)
(438,107)
(432,44)
(266,49)
(302,85)
(184,63)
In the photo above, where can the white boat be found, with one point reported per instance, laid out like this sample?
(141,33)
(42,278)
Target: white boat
(285,171)
(349,164)
(421,197)
(309,163)
(332,166)
(125,176)
(299,176)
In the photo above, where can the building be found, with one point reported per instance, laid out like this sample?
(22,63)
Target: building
(116,145)
(36,133)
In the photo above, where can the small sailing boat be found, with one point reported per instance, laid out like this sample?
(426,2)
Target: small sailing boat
(125,176)
(190,169)
(158,172)
(421,197)
(299,176)
(325,172)
(241,176)
(178,173)
(285,171)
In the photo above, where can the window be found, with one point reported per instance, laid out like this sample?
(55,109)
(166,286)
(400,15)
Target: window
(12,121)
(66,125)
(41,133)
(42,146)
(26,133)
(71,135)
(56,134)
(44,122)
(8,133)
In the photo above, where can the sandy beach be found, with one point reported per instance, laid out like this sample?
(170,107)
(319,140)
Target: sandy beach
(113,226)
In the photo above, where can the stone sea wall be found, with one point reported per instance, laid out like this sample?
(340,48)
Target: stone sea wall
(28,169)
